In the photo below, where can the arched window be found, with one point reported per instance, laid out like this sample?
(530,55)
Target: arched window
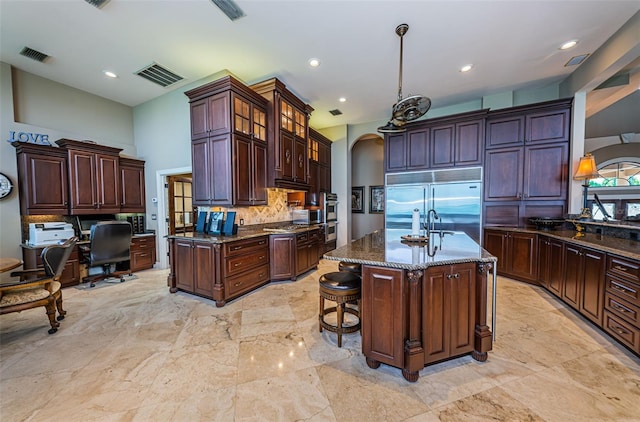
(623,173)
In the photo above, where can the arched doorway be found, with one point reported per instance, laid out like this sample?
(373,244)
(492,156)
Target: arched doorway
(367,185)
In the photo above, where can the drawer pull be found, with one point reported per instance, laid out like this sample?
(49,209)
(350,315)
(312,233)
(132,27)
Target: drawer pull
(261,275)
(620,268)
(239,283)
(235,248)
(618,329)
(237,264)
(262,257)
(620,288)
(262,242)
(143,254)
(620,308)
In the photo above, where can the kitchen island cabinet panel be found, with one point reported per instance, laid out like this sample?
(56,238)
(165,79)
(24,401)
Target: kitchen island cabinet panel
(383,308)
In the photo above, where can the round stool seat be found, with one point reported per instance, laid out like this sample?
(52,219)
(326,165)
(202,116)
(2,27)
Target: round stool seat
(341,287)
(350,266)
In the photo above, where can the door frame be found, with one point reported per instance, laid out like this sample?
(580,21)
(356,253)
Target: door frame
(161,179)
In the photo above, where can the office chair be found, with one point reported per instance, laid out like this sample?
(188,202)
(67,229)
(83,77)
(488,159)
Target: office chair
(110,245)
(39,286)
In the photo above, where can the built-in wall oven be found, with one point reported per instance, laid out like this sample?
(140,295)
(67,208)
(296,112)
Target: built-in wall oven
(330,231)
(329,203)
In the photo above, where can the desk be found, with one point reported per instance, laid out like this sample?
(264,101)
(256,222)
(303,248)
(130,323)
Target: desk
(8,264)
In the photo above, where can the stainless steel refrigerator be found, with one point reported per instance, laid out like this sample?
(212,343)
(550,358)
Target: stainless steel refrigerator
(455,195)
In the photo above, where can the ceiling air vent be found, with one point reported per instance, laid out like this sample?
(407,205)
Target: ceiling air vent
(335,112)
(229,8)
(34,54)
(576,60)
(97,3)
(159,75)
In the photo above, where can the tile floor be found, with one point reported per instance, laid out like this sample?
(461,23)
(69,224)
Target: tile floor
(133,351)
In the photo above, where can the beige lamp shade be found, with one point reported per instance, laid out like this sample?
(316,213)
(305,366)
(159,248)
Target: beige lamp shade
(587,168)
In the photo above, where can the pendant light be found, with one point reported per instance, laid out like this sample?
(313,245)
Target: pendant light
(405,109)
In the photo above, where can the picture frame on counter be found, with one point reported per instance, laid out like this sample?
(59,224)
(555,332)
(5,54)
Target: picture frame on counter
(376,199)
(357,199)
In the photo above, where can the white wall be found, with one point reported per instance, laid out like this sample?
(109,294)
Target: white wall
(367,159)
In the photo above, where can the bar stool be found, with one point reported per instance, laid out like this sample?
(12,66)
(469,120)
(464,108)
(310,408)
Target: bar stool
(341,287)
(351,267)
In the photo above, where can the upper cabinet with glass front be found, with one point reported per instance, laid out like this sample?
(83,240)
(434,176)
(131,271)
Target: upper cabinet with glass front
(288,136)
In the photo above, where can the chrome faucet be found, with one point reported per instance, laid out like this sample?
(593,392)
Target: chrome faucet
(432,216)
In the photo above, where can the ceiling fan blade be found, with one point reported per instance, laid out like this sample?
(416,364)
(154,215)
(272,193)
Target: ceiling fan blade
(411,108)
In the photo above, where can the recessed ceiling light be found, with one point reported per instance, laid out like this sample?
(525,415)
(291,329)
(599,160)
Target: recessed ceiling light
(466,68)
(110,74)
(314,62)
(568,45)
(342,99)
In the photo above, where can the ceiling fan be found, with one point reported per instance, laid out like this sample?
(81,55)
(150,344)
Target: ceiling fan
(405,109)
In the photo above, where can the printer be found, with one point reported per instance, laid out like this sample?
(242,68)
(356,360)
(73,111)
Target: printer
(48,233)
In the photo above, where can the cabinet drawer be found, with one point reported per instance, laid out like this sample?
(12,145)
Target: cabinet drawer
(313,235)
(624,268)
(143,243)
(242,246)
(302,237)
(240,263)
(623,331)
(622,308)
(624,289)
(142,260)
(247,281)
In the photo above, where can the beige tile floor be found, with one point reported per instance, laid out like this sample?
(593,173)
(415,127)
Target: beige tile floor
(133,351)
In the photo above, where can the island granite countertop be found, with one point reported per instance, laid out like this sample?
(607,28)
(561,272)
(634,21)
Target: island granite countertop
(386,248)
(247,232)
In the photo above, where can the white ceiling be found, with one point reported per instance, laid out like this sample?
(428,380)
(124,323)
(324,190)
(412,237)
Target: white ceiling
(512,45)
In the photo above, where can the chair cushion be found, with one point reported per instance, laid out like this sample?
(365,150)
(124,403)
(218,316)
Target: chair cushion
(340,280)
(26,295)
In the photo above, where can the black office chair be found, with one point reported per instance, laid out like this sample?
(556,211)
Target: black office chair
(110,245)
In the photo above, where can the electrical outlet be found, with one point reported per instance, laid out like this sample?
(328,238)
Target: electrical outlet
(242,221)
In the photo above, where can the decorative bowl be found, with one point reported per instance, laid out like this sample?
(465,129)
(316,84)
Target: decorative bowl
(546,223)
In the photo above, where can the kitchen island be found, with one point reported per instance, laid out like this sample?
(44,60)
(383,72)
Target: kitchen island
(422,302)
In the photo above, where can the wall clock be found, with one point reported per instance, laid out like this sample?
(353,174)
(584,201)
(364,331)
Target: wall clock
(5,186)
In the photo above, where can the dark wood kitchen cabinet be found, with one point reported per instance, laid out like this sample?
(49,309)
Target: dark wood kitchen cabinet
(443,142)
(517,253)
(282,251)
(526,163)
(583,287)
(448,303)
(93,177)
(319,155)
(547,122)
(383,326)
(307,251)
(194,265)
(288,135)
(622,301)
(228,144)
(42,179)
(457,145)
(551,264)
(132,194)
(143,252)
(245,267)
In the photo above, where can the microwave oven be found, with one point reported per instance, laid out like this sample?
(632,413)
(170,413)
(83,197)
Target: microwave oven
(316,216)
(300,216)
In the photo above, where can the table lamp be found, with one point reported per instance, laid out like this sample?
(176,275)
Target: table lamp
(586,170)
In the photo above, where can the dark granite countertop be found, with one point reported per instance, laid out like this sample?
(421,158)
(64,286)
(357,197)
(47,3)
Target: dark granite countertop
(385,248)
(623,247)
(247,232)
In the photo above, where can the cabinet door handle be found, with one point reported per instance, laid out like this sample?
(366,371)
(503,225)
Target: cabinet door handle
(449,276)
(456,275)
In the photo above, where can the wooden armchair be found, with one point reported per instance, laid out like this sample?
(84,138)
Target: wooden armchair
(39,287)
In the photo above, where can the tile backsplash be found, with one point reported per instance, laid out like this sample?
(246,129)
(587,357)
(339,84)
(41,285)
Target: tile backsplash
(276,211)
